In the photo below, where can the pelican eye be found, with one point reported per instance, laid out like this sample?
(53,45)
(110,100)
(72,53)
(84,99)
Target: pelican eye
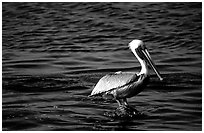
(139,52)
(143,47)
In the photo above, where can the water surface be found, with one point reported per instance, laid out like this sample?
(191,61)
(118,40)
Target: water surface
(54,53)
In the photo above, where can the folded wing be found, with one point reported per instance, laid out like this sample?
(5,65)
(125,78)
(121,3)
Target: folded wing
(112,81)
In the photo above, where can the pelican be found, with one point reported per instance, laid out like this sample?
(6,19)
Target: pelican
(122,85)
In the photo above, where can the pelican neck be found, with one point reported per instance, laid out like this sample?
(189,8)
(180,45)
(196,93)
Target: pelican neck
(144,67)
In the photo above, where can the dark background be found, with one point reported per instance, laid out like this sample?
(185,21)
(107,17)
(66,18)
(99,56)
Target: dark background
(54,53)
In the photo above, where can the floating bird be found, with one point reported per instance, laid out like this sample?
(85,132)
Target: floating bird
(123,85)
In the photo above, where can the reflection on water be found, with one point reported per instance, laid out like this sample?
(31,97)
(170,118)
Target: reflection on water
(54,53)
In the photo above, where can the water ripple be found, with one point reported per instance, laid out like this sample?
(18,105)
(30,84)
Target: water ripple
(54,53)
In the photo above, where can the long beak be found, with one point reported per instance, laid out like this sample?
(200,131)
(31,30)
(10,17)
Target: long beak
(151,63)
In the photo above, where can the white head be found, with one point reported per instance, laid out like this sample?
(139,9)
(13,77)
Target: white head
(142,54)
(135,44)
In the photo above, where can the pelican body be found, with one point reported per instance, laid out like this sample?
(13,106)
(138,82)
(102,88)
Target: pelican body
(123,85)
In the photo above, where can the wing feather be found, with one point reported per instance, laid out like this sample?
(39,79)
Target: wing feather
(111,81)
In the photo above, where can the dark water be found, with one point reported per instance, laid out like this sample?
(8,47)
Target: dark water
(54,53)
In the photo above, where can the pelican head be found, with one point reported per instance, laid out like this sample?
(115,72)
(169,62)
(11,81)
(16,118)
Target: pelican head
(141,52)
